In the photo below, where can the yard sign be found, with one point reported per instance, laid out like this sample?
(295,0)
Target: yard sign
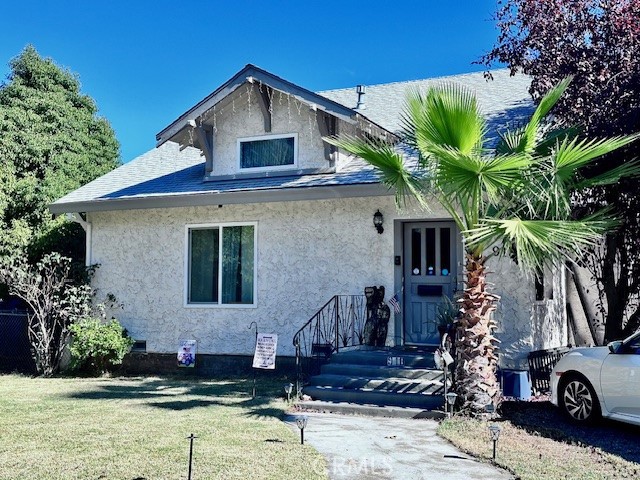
(265,355)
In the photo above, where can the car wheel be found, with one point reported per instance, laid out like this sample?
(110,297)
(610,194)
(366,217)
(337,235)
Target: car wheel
(578,400)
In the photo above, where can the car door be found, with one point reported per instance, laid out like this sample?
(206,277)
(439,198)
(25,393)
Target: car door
(620,379)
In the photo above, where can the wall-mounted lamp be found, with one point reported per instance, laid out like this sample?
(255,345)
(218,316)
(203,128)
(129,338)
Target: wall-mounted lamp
(377,221)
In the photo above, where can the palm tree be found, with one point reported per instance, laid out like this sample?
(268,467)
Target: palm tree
(516,196)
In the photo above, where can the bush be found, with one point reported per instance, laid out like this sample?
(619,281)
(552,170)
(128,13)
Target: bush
(96,346)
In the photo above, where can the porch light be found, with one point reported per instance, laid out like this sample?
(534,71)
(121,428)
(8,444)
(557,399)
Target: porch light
(288,388)
(495,434)
(451,401)
(377,221)
(302,423)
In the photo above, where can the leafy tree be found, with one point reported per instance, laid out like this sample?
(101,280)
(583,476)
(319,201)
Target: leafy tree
(517,196)
(51,142)
(597,42)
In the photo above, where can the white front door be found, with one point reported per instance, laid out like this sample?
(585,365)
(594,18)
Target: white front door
(429,274)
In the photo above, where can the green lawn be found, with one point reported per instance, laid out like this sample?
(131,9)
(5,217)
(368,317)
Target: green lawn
(136,428)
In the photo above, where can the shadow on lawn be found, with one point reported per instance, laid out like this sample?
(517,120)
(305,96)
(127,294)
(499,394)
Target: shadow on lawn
(543,419)
(172,394)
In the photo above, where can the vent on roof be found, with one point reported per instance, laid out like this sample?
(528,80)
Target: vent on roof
(361,90)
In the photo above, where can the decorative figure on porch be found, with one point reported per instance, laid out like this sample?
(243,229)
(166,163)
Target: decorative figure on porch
(378,314)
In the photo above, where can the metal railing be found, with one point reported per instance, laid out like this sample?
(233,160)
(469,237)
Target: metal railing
(338,324)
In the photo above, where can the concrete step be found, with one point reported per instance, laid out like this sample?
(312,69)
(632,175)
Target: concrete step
(433,386)
(367,410)
(379,371)
(374,397)
(385,358)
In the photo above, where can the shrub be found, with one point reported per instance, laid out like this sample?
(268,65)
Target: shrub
(97,346)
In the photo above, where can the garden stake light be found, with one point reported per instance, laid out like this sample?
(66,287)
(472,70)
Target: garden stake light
(451,400)
(190,438)
(302,423)
(288,387)
(495,434)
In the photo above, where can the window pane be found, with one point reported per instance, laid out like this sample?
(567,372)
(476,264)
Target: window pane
(203,265)
(273,152)
(237,264)
(416,251)
(430,239)
(445,251)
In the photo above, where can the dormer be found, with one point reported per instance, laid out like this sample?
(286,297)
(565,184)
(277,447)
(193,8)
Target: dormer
(257,124)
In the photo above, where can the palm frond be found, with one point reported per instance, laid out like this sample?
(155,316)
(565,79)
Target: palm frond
(389,164)
(630,169)
(447,115)
(537,242)
(510,142)
(573,154)
(477,177)
(532,128)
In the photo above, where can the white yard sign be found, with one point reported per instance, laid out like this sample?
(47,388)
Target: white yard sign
(265,355)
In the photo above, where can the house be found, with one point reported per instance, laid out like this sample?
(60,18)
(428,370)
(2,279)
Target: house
(243,214)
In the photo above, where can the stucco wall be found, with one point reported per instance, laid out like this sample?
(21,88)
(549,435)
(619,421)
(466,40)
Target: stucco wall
(525,324)
(307,252)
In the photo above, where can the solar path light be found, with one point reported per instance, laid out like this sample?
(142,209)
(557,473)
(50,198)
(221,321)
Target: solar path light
(495,434)
(288,388)
(451,400)
(302,423)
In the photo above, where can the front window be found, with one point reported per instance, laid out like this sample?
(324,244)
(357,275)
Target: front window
(221,264)
(268,152)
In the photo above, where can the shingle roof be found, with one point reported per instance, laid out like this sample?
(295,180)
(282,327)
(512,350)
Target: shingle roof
(167,176)
(504,100)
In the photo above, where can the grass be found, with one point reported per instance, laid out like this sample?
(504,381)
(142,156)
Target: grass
(136,428)
(536,443)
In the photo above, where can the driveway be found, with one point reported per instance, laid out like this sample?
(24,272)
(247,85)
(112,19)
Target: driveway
(368,448)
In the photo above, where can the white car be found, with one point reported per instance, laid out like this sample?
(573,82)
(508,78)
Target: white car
(599,381)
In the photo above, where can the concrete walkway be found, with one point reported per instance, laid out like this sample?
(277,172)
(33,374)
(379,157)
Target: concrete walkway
(367,448)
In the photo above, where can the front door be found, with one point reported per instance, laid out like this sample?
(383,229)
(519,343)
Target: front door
(429,275)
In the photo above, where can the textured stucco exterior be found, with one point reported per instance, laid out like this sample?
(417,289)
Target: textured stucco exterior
(243,118)
(307,252)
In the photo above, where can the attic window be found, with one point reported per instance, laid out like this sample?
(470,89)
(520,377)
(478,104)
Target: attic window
(268,152)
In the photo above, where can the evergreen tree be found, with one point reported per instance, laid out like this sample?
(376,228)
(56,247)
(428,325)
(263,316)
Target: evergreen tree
(51,142)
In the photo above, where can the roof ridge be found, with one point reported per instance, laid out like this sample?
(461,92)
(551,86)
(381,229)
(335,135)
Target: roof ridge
(441,77)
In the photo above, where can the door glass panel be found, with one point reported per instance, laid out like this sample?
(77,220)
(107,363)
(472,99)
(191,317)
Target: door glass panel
(416,252)
(430,241)
(445,251)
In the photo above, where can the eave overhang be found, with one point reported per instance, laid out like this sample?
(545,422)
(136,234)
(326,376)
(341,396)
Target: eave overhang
(223,198)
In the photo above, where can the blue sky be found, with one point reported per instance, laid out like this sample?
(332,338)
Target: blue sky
(146,62)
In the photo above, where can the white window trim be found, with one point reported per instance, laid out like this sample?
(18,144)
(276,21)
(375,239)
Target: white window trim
(186,265)
(293,166)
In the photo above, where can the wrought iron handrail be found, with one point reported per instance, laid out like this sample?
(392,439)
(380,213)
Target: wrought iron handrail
(338,324)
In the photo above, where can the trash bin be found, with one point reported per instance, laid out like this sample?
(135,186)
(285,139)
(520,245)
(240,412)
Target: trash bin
(515,383)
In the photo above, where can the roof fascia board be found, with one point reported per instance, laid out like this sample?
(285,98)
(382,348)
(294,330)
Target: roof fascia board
(228,198)
(301,94)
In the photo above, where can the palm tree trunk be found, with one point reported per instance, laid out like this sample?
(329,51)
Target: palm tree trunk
(476,382)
